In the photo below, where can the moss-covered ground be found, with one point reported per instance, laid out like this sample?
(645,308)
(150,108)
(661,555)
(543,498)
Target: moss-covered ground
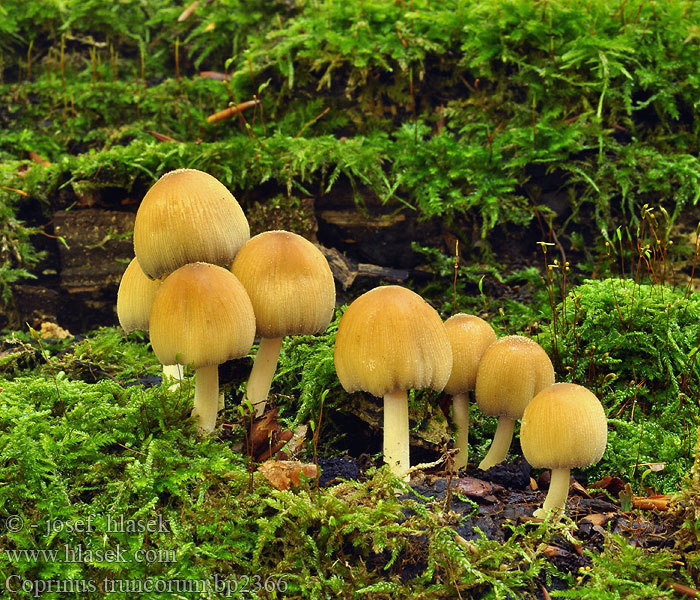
(556,142)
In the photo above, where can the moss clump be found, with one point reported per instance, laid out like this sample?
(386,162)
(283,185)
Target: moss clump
(634,345)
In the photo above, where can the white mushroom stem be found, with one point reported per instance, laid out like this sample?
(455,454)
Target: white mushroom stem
(460,418)
(206,398)
(396,448)
(172,374)
(557,494)
(261,374)
(500,445)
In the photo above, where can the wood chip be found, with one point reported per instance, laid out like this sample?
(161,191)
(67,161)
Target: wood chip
(651,502)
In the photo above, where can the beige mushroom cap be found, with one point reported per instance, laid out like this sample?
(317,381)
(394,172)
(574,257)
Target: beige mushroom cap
(391,339)
(564,426)
(511,371)
(470,336)
(187,216)
(134,297)
(202,316)
(289,283)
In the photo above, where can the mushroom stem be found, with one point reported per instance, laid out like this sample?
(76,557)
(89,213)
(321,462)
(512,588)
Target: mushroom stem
(261,374)
(172,373)
(396,448)
(557,494)
(501,443)
(206,398)
(460,417)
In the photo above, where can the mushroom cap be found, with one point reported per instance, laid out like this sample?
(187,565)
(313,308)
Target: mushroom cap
(187,216)
(511,371)
(289,283)
(391,339)
(134,297)
(469,336)
(564,426)
(201,316)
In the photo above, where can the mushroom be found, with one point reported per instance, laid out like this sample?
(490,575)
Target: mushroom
(470,336)
(563,427)
(511,371)
(390,340)
(187,216)
(202,316)
(134,299)
(292,291)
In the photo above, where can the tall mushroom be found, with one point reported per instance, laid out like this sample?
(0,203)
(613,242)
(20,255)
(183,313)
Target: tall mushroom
(470,336)
(202,316)
(134,298)
(292,291)
(390,340)
(563,427)
(187,216)
(511,371)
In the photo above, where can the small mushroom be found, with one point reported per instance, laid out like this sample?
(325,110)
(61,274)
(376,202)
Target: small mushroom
(563,427)
(185,217)
(390,340)
(470,336)
(511,371)
(291,287)
(202,316)
(134,298)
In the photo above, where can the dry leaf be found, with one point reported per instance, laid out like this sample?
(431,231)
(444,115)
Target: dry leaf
(597,519)
(284,474)
(476,488)
(551,551)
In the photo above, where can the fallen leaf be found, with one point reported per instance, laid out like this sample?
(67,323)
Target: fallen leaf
(296,442)
(597,519)
(283,474)
(551,551)
(579,489)
(613,485)
(476,488)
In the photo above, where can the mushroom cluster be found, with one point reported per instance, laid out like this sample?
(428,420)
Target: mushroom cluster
(390,340)
(204,289)
(183,286)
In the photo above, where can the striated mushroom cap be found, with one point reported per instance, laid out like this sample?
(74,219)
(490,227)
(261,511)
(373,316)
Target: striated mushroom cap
(289,283)
(391,339)
(564,427)
(134,297)
(470,336)
(187,216)
(202,316)
(511,371)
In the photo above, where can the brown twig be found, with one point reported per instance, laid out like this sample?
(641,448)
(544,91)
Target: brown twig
(684,590)
(231,110)
(161,137)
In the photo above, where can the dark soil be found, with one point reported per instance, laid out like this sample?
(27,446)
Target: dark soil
(489,503)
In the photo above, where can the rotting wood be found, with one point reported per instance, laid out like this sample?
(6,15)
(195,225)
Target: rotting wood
(346,271)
